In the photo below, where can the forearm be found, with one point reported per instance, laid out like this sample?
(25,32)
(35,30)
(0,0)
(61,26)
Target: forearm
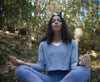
(39,67)
(94,67)
(89,66)
(20,62)
(79,64)
(27,64)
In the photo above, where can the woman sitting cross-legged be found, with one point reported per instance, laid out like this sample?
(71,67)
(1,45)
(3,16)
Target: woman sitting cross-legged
(58,55)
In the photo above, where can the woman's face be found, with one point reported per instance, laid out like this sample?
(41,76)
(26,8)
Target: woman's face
(56,24)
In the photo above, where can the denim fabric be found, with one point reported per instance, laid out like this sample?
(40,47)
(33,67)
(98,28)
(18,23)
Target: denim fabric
(27,74)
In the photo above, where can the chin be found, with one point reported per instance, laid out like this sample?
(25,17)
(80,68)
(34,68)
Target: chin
(57,30)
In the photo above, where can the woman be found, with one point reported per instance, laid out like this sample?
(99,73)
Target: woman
(58,55)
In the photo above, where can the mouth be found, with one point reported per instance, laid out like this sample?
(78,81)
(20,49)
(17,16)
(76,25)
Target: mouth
(56,25)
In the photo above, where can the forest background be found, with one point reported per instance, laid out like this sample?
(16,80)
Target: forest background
(23,23)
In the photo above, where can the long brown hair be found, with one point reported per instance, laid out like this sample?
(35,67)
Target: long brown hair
(65,33)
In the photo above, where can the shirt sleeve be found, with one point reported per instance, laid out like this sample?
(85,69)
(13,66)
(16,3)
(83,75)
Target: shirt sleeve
(40,66)
(74,55)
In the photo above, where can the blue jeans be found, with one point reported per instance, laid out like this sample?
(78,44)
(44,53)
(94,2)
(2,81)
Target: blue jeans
(27,74)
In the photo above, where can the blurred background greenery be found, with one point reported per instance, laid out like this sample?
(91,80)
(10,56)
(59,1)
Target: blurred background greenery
(23,23)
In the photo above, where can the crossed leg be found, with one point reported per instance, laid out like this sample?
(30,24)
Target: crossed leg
(27,74)
(78,74)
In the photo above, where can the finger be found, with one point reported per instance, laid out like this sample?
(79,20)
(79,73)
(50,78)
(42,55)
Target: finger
(16,62)
(13,61)
(87,59)
(14,57)
(82,61)
(11,57)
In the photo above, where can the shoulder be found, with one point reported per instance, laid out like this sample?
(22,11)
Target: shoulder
(43,43)
(73,42)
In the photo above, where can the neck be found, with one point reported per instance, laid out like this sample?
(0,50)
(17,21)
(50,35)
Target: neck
(57,37)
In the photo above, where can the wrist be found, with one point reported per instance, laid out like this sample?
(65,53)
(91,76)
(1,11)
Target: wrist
(80,64)
(27,64)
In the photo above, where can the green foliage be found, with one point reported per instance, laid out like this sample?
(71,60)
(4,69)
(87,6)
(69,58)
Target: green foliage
(94,75)
(14,45)
(17,19)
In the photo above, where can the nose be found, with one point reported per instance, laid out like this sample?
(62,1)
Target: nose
(56,22)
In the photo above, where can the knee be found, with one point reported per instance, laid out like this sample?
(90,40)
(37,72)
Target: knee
(19,70)
(80,74)
(81,70)
(84,68)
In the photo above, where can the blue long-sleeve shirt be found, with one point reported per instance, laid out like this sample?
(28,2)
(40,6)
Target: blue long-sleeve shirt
(53,57)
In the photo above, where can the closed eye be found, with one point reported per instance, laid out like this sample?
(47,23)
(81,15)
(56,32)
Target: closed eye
(57,20)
